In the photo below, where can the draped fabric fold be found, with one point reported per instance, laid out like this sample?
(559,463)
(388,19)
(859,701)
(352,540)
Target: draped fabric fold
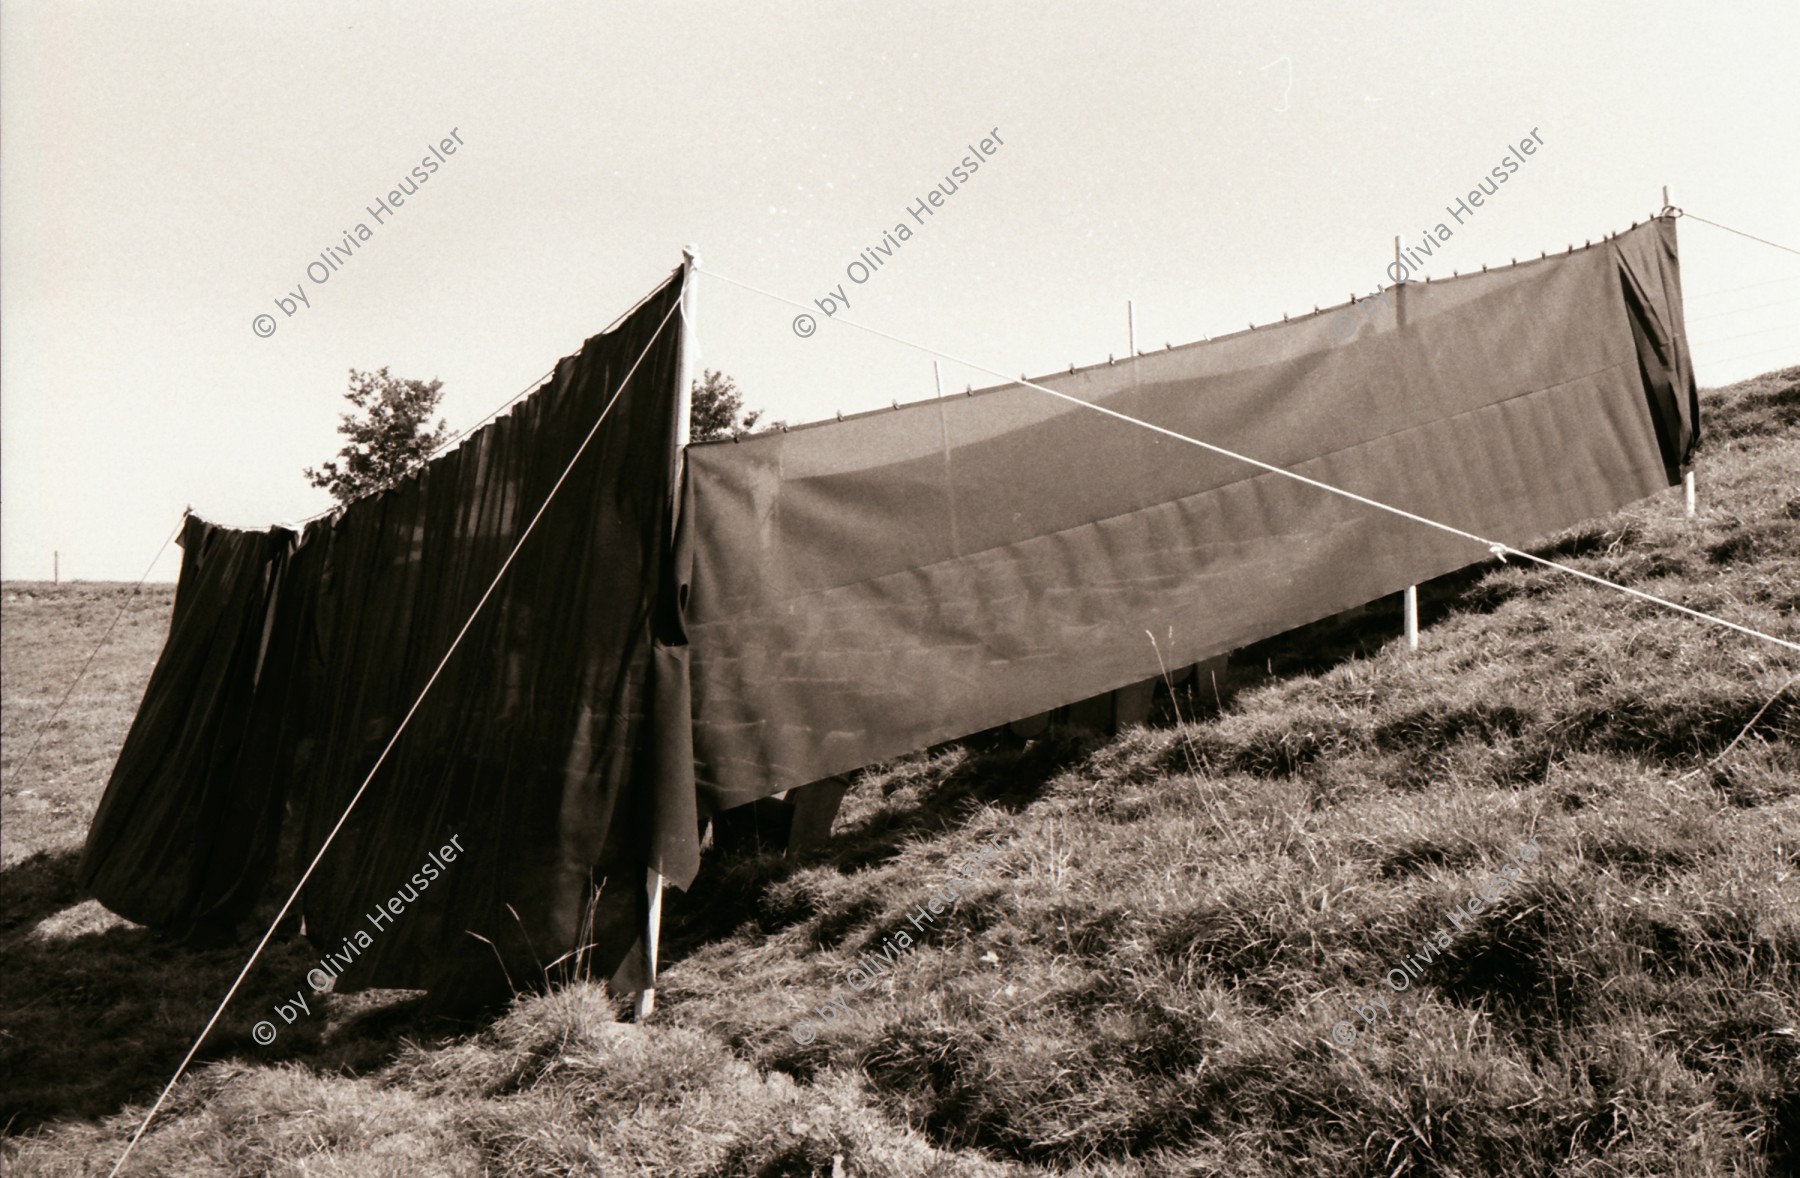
(679,637)
(184,836)
(533,750)
(870,587)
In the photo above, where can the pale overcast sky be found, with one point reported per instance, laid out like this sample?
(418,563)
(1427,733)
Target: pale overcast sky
(170,169)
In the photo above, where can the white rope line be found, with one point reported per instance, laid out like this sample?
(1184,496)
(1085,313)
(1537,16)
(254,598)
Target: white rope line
(1753,237)
(1744,731)
(1498,549)
(457,438)
(326,845)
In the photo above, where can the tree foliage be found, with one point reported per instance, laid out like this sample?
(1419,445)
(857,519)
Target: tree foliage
(389,434)
(719,411)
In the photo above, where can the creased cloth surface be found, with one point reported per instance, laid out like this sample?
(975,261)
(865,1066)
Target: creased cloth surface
(292,660)
(866,588)
(833,596)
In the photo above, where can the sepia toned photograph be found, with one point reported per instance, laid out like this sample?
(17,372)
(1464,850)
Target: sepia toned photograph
(825,590)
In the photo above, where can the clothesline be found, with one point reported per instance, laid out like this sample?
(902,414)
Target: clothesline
(392,740)
(1503,551)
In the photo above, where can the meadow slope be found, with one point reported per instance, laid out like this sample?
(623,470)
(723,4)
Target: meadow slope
(1155,973)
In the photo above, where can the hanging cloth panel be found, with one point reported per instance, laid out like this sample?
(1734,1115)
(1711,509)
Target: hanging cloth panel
(185,833)
(870,587)
(532,750)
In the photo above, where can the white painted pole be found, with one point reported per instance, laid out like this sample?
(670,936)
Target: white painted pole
(652,932)
(1399,269)
(1131,327)
(690,261)
(684,408)
(1410,600)
(1688,490)
(937,374)
(56,557)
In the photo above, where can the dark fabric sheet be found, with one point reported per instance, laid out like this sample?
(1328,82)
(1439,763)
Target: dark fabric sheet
(533,746)
(180,837)
(834,596)
(866,588)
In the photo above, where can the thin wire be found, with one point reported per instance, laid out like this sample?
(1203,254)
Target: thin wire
(57,710)
(1790,249)
(1498,549)
(1701,294)
(1720,339)
(453,440)
(1738,310)
(538,383)
(1744,731)
(456,438)
(1747,355)
(379,761)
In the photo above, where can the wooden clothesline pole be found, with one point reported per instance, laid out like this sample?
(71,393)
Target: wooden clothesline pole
(684,408)
(1409,602)
(1687,480)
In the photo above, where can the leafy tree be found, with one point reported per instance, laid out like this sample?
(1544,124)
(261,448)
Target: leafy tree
(389,435)
(718,410)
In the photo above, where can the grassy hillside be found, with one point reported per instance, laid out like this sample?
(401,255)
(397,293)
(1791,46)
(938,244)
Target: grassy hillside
(1181,960)
(49,632)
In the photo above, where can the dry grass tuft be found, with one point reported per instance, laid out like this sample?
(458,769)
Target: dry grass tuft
(1147,979)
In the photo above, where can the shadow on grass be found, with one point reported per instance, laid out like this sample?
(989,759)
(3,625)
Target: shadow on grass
(1321,646)
(35,888)
(96,1013)
(733,887)
(733,890)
